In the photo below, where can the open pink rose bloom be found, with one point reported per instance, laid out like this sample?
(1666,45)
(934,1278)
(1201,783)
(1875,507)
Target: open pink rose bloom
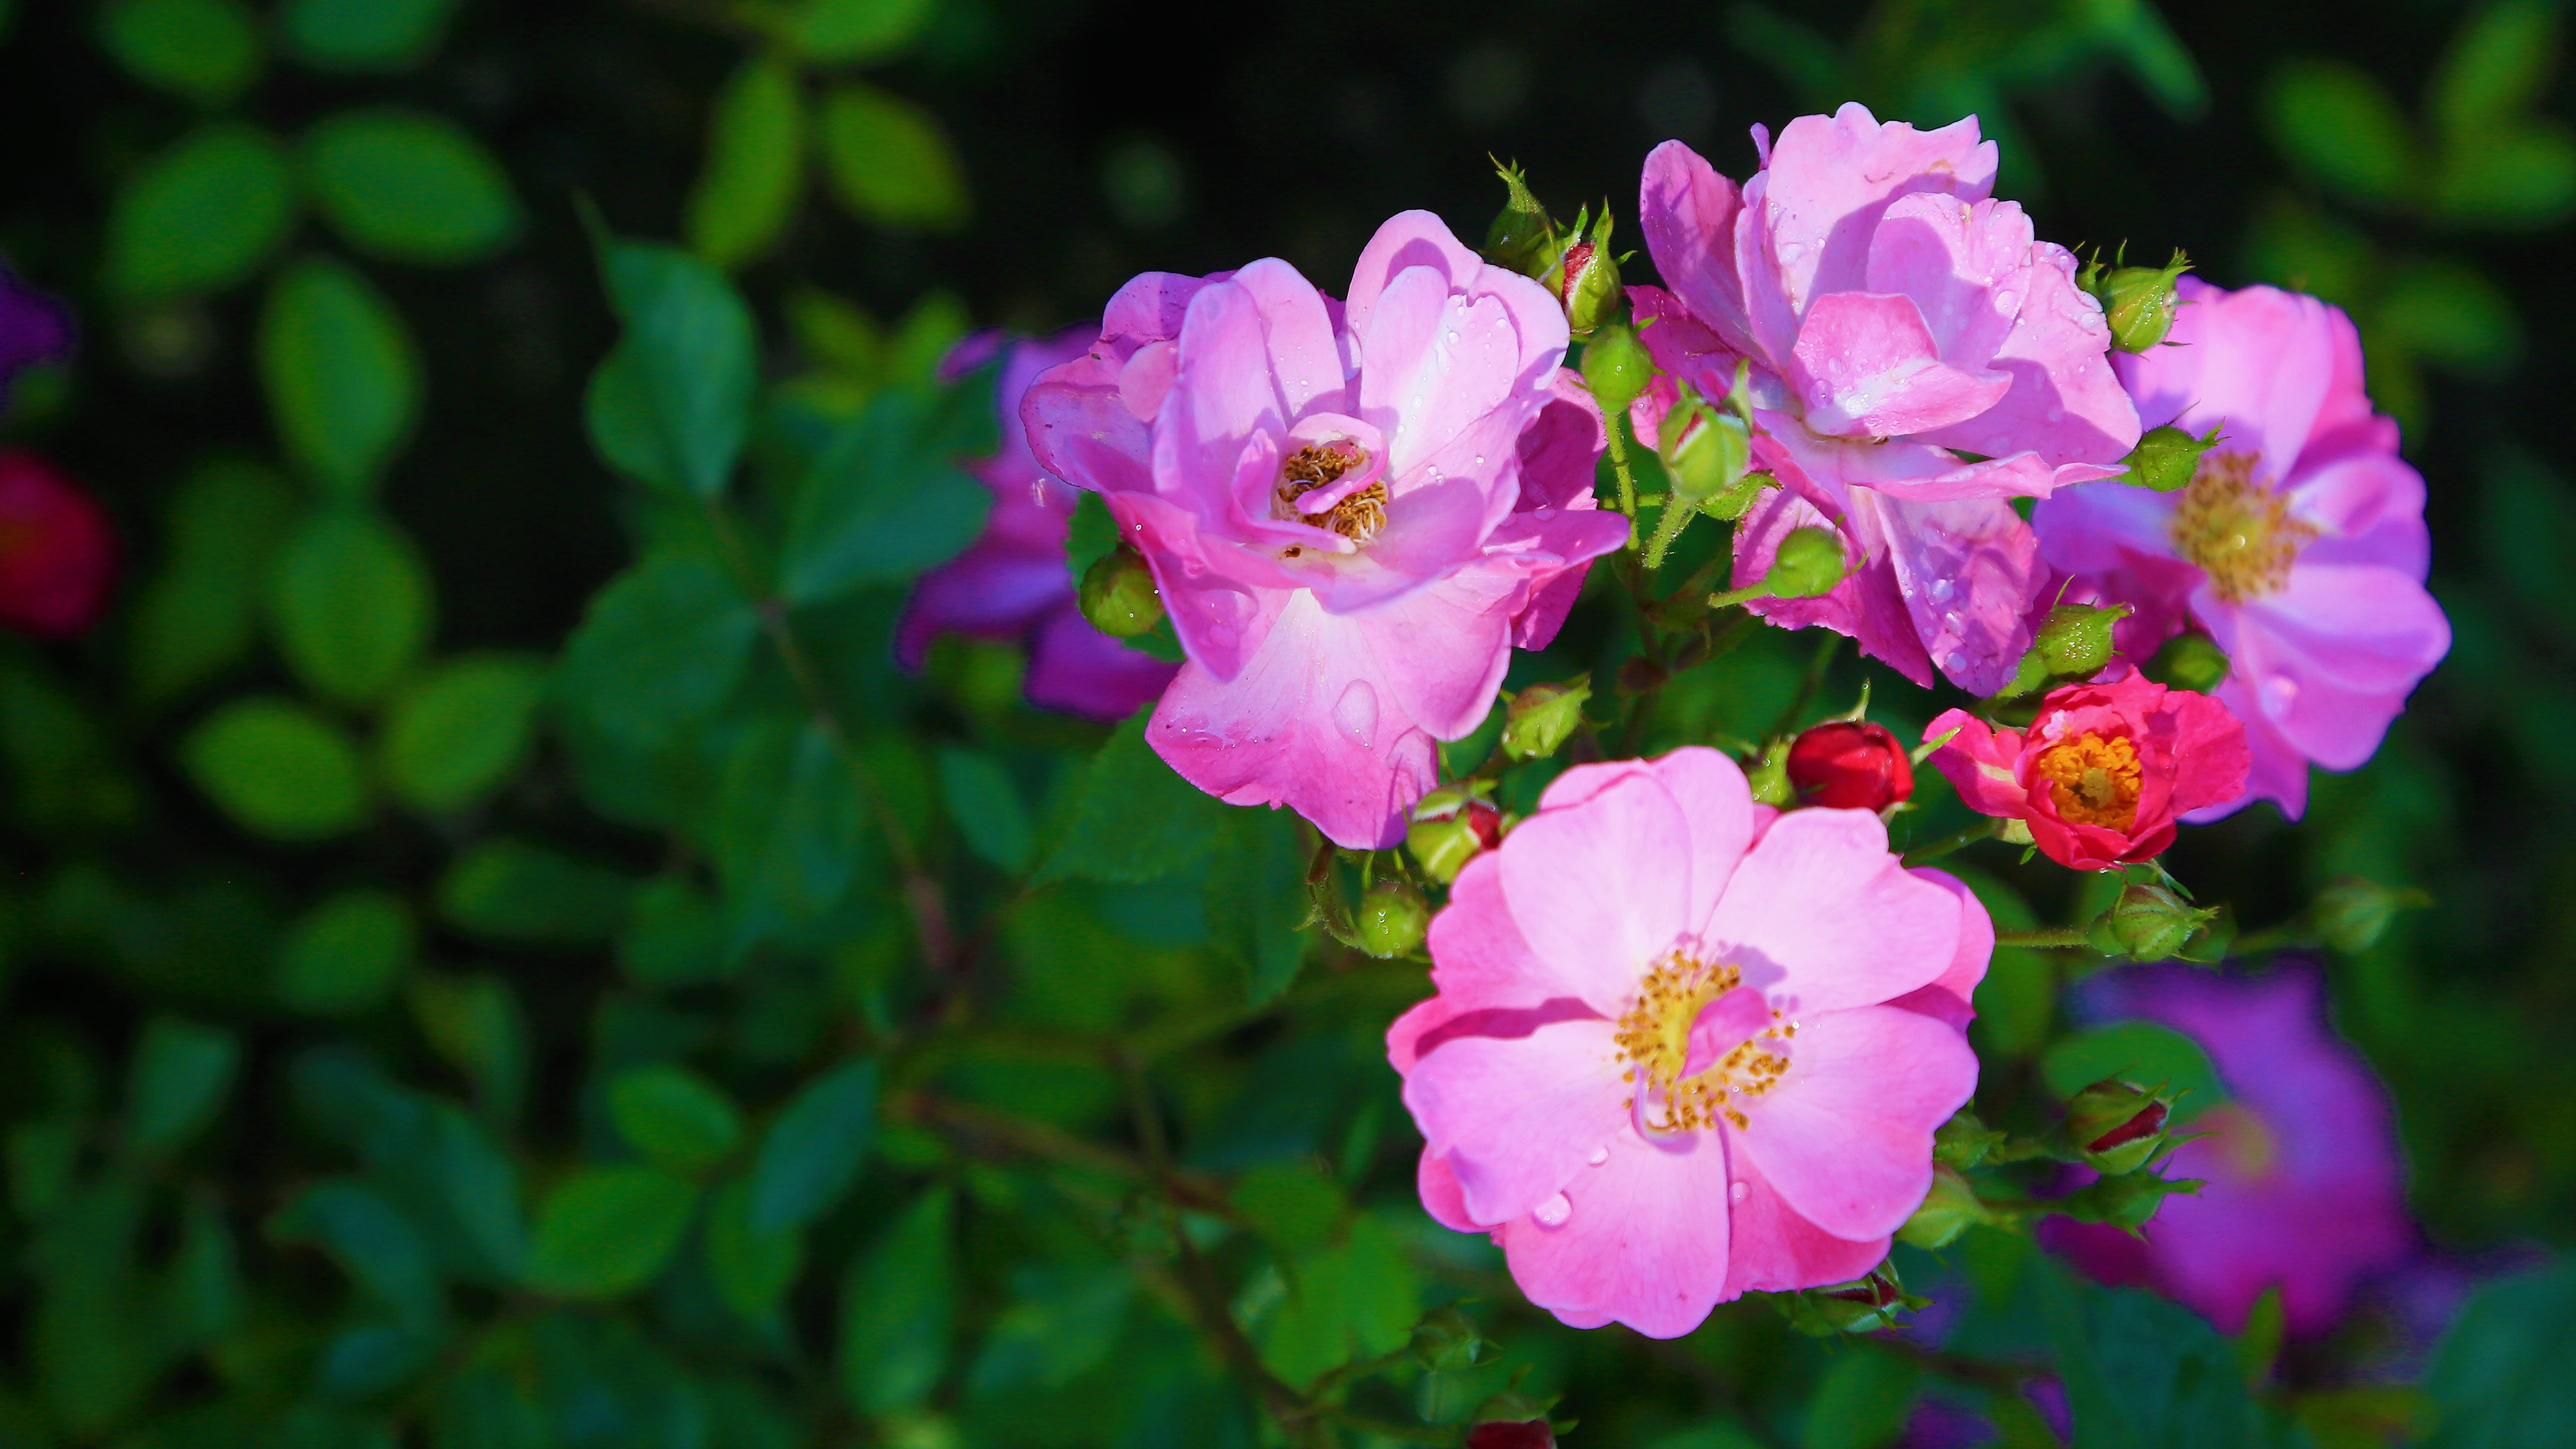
(1012,584)
(1918,359)
(1686,1047)
(2299,545)
(1352,509)
(2103,772)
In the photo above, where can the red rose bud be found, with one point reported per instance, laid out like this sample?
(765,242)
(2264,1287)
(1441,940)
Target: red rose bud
(1502,1434)
(1850,765)
(1586,278)
(2116,1126)
(1450,828)
(56,553)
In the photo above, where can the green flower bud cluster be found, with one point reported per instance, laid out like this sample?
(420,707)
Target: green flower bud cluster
(2072,643)
(1541,718)
(2189,661)
(2166,458)
(2149,923)
(1575,263)
(1808,563)
(2137,302)
(1451,826)
(2352,914)
(1861,1306)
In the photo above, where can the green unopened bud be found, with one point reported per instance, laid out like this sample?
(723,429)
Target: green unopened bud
(1522,237)
(1450,826)
(1860,1306)
(2075,640)
(2147,923)
(2189,661)
(1543,717)
(1617,367)
(1769,777)
(1963,1141)
(1118,594)
(1705,453)
(1808,563)
(2125,1200)
(2166,458)
(1951,1208)
(2137,302)
(1392,918)
(1445,1342)
(1587,279)
(2352,914)
(2116,1126)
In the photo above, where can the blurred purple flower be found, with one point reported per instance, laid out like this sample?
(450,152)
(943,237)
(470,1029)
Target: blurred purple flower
(33,328)
(1012,582)
(2305,1187)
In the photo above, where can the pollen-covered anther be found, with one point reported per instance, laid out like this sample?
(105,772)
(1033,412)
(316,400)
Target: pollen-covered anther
(2094,780)
(2239,532)
(1357,517)
(1654,1035)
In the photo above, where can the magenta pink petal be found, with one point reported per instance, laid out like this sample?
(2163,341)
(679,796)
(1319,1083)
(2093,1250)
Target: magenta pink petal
(1441,1198)
(1970,574)
(1886,933)
(1866,366)
(1717,808)
(1517,1117)
(1846,1135)
(1602,891)
(1773,1250)
(1642,1238)
(1688,213)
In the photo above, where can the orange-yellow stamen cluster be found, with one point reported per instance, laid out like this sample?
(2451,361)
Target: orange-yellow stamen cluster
(1317,465)
(2094,780)
(1654,1039)
(2239,532)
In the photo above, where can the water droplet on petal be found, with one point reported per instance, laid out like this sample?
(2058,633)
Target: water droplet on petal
(2280,692)
(1355,713)
(1740,1191)
(1942,589)
(1599,1156)
(1958,662)
(1553,1212)
(2007,300)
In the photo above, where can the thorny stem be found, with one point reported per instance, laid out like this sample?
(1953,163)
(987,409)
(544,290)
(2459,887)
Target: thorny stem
(1675,516)
(2043,937)
(1617,433)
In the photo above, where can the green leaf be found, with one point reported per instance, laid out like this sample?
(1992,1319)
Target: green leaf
(1863,1400)
(64,774)
(375,1243)
(201,612)
(889,161)
(345,955)
(201,1296)
(2335,122)
(607,1231)
(1130,819)
(2526,527)
(898,1306)
(839,31)
(792,833)
(363,35)
(2521,179)
(436,1159)
(460,730)
(2499,1379)
(2142,1373)
(409,186)
(510,890)
(1065,1325)
(886,500)
(2496,70)
(179,1077)
(812,1152)
(673,1116)
(2143,1052)
(755,164)
(207,51)
(476,1024)
(1354,1299)
(674,936)
(671,405)
(752,1268)
(1293,1204)
(1256,898)
(349,601)
(2451,314)
(660,649)
(92,1357)
(278,769)
(988,809)
(200,216)
(343,382)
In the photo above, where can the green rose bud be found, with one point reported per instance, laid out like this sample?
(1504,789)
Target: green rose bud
(1857,1307)
(2189,661)
(1543,717)
(1450,826)
(2075,640)
(1769,777)
(2116,1126)
(1586,279)
(2147,923)
(1951,1208)
(2166,458)
(2352,913)
(1617,367)
(1445,1342)
(1118,594)
(1705,453)
(2137,302)
(1392,918)
(2126,1201)
(1809,563)
(1522,237)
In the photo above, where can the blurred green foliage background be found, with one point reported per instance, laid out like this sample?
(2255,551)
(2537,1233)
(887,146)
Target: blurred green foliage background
(497,956)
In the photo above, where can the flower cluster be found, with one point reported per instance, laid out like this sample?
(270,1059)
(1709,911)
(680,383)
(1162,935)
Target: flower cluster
(1695,1023)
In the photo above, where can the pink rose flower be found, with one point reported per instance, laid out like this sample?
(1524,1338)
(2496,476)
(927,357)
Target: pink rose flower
(1685,1047)
(1918,357)
(2299,545)
(2305,1187)
(1012,582)
(57,554)
(1353,509)
(2103,772)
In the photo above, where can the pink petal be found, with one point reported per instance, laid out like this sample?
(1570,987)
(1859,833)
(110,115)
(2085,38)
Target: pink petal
(1822,917)
(1443,650)
(1080,430)
(1308,724)
(1717,808)
(1432,364)
(2332,656)
(1722,1026)
(1773,1250)
(1221,620)
(1601,889)
(1479,957)
(1979,761)
(2370,509)
(1866,367)
(1305,360)
(1075,668)
(1440,1196)
(1643,1240)
(2256,362)
(2278,772)
(1688,213)
(1867,605)
(1519,1117)
(1222,394)
(1970,572)
(1419,239)
(1846,1135)
(1150,308)
(1950,999)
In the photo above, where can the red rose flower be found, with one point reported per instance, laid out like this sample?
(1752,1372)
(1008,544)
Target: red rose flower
(1849,765)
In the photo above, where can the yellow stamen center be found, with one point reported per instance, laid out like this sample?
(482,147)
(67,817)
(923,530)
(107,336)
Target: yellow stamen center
(1317,465)
(2094,780)
(1654,1038)
(2239,532)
